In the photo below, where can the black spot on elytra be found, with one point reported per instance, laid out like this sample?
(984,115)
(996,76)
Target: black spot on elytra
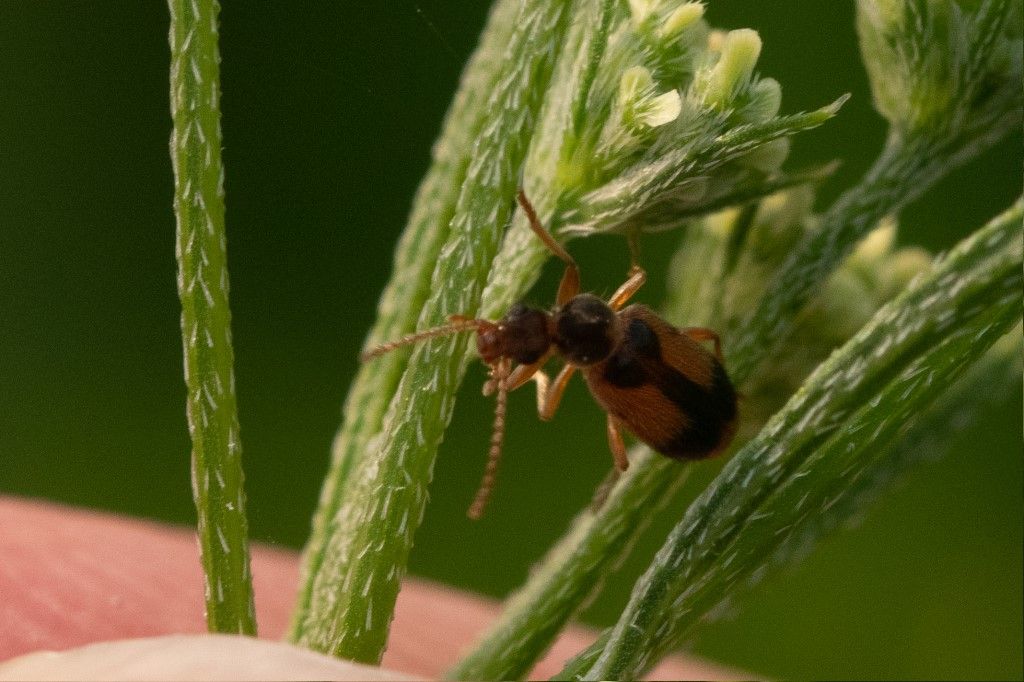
(642,340)
(624,368)
(625,371)
(710,410)
(711,413)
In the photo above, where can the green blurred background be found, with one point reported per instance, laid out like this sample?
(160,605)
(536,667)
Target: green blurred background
(329,113)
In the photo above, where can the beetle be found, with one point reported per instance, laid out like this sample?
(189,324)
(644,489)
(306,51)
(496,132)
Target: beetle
(652,379)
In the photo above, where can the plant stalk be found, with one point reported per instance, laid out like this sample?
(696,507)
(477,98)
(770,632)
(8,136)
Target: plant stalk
(217,479)
(367,542)
(904,170)
(406,292)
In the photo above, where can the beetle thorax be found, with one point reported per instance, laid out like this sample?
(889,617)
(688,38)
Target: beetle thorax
(586,330)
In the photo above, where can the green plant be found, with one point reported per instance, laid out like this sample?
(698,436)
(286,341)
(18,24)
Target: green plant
(634,117)
(801,471)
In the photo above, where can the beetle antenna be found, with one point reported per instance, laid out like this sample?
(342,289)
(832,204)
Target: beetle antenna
(483,493)
(458,324)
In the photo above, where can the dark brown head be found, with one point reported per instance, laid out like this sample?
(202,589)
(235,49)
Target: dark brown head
(586,330)
(521,335)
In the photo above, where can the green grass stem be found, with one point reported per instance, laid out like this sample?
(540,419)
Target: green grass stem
(363,553)
(217,480)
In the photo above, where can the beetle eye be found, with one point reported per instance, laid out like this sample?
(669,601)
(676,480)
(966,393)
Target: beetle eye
(488,345)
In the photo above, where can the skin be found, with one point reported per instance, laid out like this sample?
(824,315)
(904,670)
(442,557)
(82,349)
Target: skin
(71,578)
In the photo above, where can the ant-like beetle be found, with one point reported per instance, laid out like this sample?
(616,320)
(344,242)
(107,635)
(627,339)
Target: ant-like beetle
(651,378)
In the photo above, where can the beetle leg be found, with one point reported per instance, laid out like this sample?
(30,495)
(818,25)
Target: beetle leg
(554,393)
(604,489)
(637,277)
(615,443)
(570,285)
(496,371)
(704,334)
(523,373)
(543,384)
(633,239)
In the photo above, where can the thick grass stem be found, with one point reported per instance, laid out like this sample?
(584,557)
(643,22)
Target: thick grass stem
(569,573)
(367,542)
(217,480)
(903,171)
(407,290)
